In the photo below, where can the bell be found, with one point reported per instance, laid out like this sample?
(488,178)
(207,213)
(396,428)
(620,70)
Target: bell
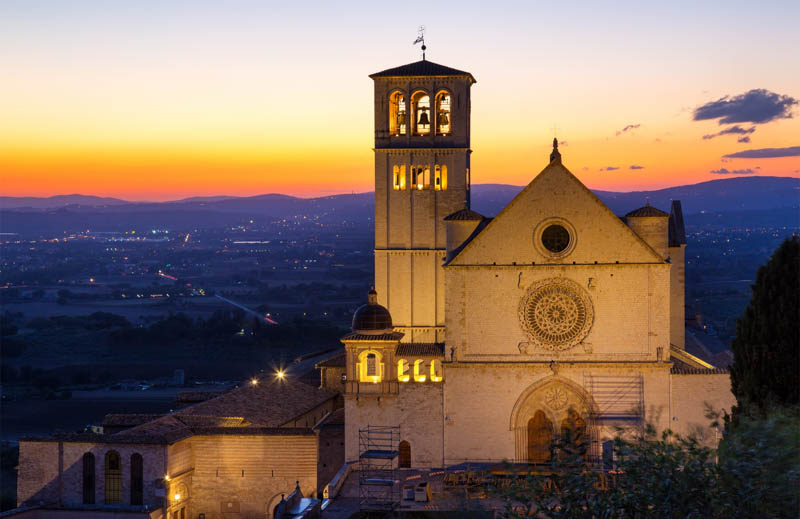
(423,119)
(444,120)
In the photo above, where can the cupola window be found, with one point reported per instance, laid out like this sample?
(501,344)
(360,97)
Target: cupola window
(369,367)
(419,371)
(397,114)
(422,113)
(443,114)
(402,371)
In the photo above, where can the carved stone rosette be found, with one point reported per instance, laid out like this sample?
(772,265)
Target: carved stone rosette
(557,314)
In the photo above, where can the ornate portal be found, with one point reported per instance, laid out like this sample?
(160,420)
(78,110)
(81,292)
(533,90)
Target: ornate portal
(556,313)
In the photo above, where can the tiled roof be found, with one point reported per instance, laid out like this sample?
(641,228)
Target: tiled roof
(413,349)
(253,431)
(127,420)
(464,215)
(212,421)
(684,369)
(647,210)
(420,69)
(337,361)
(355,336)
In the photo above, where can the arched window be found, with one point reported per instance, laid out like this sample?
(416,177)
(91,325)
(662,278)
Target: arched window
(399,178)
(436,371)
(419,370)
(405,455)
(370,368)
(88,478)
(421,177)
(402,370)
(421,103)
(397,114)
(440,180)
(113,473)
(137,479)
(443,118)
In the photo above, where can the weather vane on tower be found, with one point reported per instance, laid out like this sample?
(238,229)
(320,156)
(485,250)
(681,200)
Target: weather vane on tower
(421,39)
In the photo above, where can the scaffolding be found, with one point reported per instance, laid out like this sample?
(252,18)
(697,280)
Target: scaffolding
(378,486)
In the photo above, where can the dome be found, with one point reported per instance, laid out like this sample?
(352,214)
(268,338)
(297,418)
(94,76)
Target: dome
(647,210)
(372,318)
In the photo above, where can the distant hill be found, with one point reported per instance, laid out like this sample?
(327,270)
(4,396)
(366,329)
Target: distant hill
(758,197)
(52,202)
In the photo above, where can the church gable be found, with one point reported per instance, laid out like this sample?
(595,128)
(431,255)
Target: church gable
(556,220)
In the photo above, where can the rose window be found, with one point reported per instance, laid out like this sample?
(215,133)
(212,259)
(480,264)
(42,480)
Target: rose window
(557,314)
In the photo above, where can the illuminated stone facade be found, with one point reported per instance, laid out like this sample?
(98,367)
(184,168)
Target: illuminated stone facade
(556,317)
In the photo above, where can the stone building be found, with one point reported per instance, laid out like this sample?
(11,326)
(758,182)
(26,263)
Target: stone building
(238,455)
(489,337)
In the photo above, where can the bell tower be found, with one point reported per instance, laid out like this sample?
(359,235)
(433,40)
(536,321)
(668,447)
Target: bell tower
(422,151)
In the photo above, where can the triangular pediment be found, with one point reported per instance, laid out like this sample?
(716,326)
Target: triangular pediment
(556,197)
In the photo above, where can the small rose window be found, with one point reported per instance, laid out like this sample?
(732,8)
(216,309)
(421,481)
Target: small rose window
(555,238)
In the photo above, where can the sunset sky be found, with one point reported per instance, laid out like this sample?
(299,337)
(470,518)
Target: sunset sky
(165,99)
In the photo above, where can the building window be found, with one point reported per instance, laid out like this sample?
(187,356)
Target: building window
(443,113)
(404,455)
(440,180)
(421,177)
(421,103)
(399,178)
(555,238)
(88,478)
(436,371)
(137,479)
(397,114)
(402,370)
(113,473)
(370,368)
(468,179)
(419,371)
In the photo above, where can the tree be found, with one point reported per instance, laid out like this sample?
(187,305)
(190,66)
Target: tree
(766,350)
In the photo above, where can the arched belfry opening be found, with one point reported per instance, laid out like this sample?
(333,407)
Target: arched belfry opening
(553,410)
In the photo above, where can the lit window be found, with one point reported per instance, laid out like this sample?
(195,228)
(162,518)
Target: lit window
(399,178)
(397,114)
(421,103)
(418,174)
(426,177)
(436,371)
(369,367)
(419,370)
(440,182)
(443,113)
(468,179)
(402,371)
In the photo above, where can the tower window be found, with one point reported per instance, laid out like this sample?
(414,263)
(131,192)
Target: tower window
(421,103)
(443,114)
(372,365)
(421,176)
(369,367)
(399,178)
(440,180)
(397,114)
(436,371)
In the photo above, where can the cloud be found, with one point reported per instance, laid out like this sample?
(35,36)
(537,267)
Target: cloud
(627,129)
(658,139)
(725,171)
(637,167)
(755,106)
(731,130)
(743,139)
(765,153)
(611,168)
(562,143)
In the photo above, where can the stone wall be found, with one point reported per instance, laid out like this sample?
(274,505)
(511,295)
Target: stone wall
(692,394)
(51,472)
(246,475)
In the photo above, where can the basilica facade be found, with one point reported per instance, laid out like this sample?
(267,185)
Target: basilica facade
(485,339)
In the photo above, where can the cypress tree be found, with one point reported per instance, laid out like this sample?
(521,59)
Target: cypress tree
(766,350)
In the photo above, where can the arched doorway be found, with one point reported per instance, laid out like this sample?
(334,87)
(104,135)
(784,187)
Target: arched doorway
(405,455)
(540,437)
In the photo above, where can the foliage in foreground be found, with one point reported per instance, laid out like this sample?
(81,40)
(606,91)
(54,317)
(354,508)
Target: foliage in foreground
(755,473)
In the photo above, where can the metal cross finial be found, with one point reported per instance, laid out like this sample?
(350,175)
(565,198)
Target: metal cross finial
(555,130)
(421,39)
